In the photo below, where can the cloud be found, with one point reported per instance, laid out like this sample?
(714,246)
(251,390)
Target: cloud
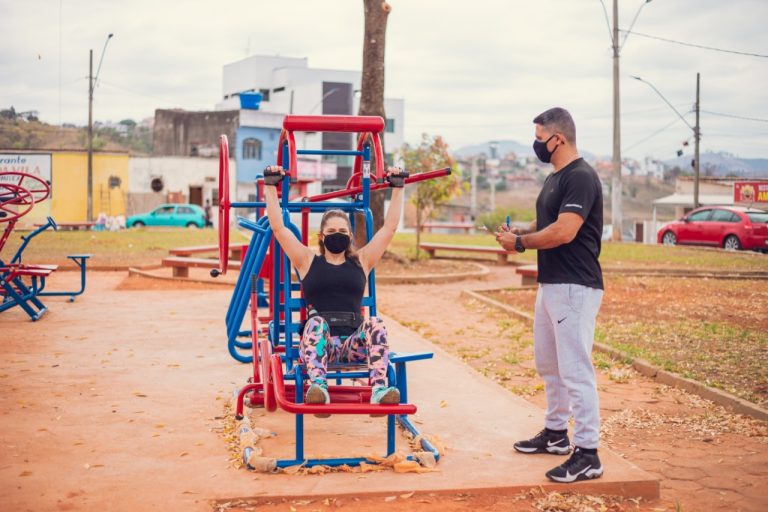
(469,71)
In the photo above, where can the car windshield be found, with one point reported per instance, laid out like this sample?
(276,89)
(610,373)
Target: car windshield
(758,217)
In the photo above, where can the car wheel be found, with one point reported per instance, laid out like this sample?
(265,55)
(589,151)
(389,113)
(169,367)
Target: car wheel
(137,224)
(192,225)
(732,243)
(669,238)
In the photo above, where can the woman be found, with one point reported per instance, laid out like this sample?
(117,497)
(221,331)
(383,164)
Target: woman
(333,284)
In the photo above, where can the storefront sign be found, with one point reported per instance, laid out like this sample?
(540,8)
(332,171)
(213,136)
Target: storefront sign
(750,192)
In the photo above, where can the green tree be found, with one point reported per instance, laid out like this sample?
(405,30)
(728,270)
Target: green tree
(429,195)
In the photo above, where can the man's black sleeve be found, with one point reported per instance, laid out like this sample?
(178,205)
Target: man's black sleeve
(579,192)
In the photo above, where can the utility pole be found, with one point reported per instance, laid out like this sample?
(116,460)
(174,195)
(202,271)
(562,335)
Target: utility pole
(473,189)
(616,175)
(91,85)
(697,138)
(90,137)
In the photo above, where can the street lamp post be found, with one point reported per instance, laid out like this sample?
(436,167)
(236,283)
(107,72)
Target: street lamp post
(696,132)
(616,191)
(91,87)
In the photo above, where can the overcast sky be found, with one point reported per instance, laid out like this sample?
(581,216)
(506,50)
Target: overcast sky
(470,71)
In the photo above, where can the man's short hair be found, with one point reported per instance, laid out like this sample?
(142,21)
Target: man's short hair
(558,120)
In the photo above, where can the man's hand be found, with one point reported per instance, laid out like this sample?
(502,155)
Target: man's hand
(506,237)
(273,175)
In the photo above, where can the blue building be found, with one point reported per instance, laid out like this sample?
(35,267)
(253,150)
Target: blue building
(256,149)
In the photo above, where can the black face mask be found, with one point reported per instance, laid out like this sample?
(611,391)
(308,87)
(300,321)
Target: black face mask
(540,148)
(336,242)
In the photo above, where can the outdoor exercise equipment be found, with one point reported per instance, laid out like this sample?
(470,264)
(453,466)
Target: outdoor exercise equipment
(22,284)
(279,379)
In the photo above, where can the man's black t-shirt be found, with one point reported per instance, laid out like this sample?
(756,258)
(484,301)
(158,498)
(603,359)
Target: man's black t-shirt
(575,188)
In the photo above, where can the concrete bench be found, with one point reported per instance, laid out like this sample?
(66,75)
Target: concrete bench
(181,265)
(72,226)
(529,274)
(432,248)
(235,250)
(430,226)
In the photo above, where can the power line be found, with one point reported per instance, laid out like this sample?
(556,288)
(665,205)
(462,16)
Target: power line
(649,137)
(695,45)
(735,116)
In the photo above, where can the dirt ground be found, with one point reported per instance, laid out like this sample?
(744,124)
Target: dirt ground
(706,458)
(712,330)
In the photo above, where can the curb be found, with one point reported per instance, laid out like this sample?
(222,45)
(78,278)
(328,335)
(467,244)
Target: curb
(719,397)
(481,272)
(711,274)
(143,273)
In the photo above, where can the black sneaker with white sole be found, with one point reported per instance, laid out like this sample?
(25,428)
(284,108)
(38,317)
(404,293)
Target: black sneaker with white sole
(579,466)
(545,441)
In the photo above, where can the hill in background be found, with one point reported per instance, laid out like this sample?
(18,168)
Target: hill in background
(30,134)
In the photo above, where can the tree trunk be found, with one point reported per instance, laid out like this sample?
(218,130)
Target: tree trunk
(372,94)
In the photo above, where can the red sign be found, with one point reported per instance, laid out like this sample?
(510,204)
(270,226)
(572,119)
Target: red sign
(750,192)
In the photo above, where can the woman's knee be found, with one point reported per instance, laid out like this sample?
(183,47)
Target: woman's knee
(376,330)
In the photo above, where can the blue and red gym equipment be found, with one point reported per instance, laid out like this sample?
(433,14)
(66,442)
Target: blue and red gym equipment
(279,379)
(22,284)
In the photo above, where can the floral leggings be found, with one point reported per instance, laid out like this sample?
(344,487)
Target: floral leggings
(368,344)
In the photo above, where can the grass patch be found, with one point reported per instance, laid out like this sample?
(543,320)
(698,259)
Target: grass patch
(717,354)
(712,331)
(613,254)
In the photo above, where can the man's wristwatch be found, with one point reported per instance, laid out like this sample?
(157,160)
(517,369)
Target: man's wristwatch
(519,244)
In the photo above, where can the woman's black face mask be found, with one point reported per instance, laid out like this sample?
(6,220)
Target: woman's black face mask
(336,242)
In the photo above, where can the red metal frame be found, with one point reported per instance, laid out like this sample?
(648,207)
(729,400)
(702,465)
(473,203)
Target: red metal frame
(333,123)
(224,204)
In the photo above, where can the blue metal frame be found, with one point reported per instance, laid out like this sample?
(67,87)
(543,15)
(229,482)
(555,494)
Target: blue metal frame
(20,294)
(282,327)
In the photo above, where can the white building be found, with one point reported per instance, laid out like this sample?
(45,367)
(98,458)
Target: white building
(289,86)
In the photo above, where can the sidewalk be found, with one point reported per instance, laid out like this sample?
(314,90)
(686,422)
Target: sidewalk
(111,403)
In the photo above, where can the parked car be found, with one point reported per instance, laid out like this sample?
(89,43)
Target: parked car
(730,227)
(183,215)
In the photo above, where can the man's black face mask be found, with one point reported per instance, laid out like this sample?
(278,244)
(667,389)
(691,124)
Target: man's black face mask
(540,148)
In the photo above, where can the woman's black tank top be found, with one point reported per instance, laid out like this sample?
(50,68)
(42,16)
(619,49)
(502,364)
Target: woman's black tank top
(329,287)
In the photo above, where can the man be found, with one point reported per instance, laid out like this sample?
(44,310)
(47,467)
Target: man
(566,234)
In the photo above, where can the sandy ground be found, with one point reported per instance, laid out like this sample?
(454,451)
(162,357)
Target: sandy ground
(706,458)
(98,370)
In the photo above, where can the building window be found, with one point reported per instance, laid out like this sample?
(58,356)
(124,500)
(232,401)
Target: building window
(264,94)
(389,126)
(251,149)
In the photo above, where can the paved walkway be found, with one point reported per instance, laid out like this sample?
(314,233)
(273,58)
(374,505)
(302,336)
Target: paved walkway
(112,403)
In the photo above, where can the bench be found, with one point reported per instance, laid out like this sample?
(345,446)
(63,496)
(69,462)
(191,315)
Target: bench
(235,250)
(72,226)
(529,273)
(181,265)
(431,248)
(429,226)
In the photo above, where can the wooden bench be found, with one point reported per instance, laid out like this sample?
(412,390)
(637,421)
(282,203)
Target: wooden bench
(235,250)
(429,226)
(181,265)
(431,248)
(529,273)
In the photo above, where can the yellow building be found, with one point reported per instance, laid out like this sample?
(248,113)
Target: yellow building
(68,174)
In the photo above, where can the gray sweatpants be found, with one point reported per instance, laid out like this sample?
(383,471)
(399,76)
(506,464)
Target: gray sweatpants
(563,332)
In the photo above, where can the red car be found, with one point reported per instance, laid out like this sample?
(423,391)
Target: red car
(730,227)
